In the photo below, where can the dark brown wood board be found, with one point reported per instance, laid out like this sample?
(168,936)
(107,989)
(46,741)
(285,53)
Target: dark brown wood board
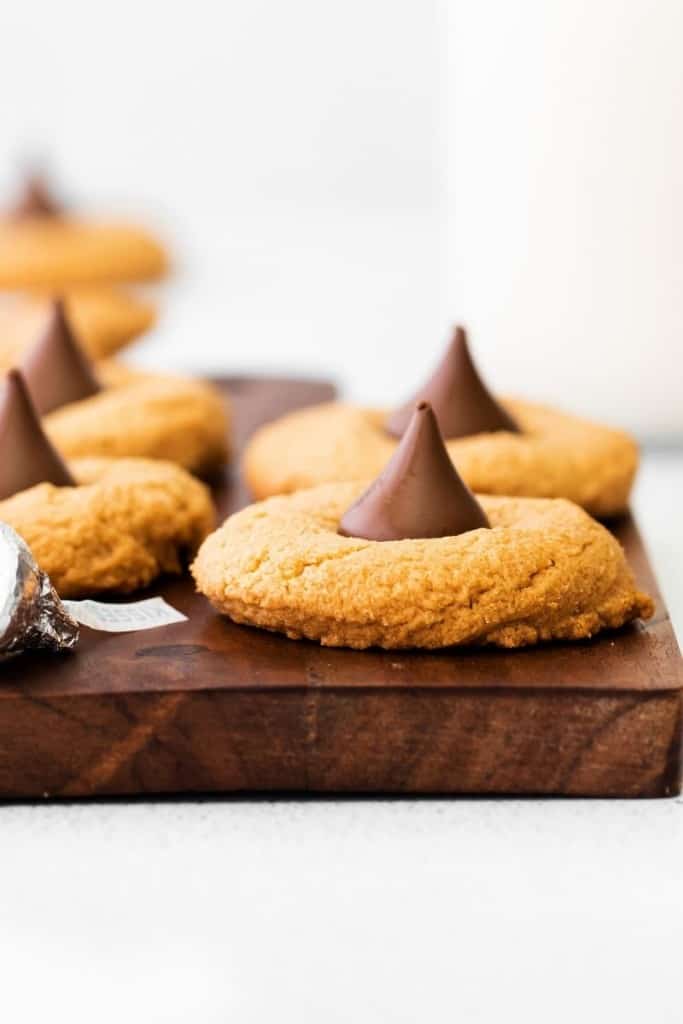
(209,706)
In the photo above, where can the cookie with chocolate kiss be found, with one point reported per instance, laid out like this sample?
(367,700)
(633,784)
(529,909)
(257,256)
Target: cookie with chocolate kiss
(461,401)
(121,411)
(27,457)
(103,319)
(509,446)
(418,494)
(46,247)
(544,570)
(56,368)
(125,522)
(114,526)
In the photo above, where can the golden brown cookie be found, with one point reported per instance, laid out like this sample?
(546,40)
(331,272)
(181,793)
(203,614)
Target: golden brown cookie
(545,571)
(56,252)
(139,414)
(104,320)
(127,521)
(555,455)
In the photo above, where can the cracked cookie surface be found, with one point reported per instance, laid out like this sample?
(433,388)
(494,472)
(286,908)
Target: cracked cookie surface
(555,456)
(104,320)
(545,571)
(127,521)
(148,415)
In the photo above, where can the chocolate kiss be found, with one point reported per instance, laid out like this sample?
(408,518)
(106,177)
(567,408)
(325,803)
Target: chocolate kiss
(35,200)
(26,456)
(57,370)
(418,494)
(462,402)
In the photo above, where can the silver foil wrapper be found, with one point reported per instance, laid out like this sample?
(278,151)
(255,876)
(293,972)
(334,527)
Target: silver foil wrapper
(31,614)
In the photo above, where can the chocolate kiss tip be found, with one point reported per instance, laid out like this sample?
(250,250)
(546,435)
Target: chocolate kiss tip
(418,494)
(57,370)
(35,200)
(27,457)
(462,402)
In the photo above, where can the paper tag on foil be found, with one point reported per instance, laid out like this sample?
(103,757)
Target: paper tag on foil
(124,618)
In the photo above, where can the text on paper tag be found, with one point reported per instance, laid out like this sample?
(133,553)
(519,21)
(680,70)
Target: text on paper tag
(124,618)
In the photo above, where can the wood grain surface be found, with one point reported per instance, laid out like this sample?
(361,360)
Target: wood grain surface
(209,706)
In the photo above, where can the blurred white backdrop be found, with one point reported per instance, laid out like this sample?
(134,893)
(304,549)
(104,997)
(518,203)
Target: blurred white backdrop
(340,181)
(289,149)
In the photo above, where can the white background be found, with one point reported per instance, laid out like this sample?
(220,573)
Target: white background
(338,182)
(289,149)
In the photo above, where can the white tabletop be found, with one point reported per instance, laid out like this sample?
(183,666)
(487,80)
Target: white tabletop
(352,910)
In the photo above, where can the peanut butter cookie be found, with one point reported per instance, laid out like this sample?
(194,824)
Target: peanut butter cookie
(498,447)
(113,410)
(553,455)
(104,320)
(44,245)
(148,415)
(544,570)
(59,252)
(124,523)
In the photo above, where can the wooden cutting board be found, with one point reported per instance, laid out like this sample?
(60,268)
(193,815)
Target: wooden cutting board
(209,706)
